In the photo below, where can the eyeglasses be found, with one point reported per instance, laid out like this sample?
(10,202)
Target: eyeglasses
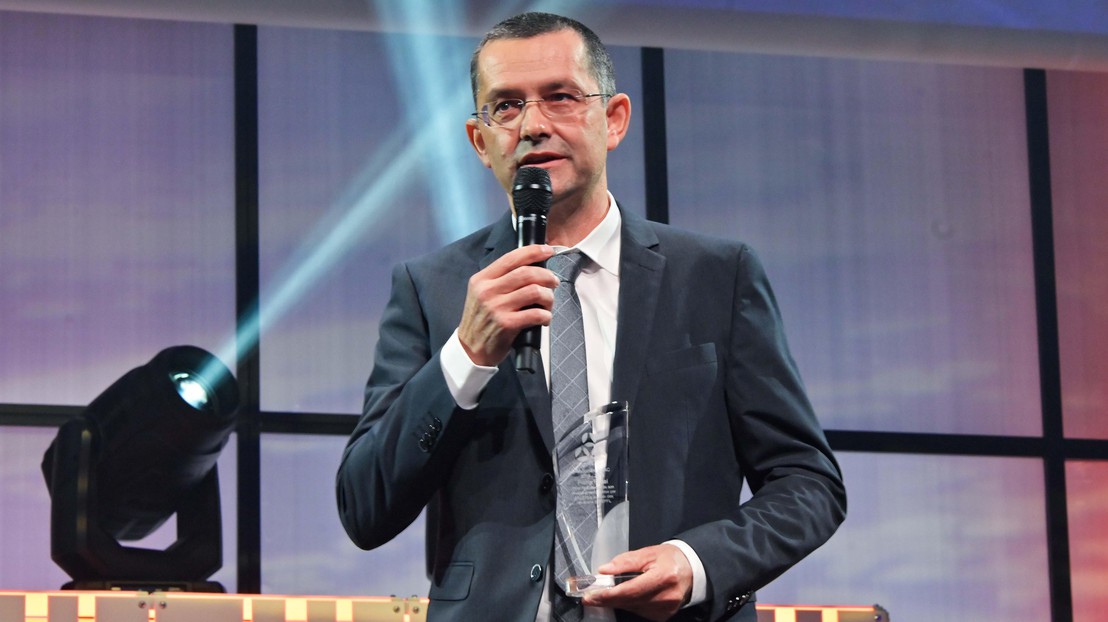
(560,105)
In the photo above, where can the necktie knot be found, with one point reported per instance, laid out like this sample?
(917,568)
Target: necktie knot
(567,265)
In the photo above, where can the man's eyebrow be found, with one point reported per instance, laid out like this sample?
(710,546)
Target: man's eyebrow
(517,93)
(505,93)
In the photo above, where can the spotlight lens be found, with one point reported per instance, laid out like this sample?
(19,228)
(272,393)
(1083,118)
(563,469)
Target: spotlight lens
(191,389)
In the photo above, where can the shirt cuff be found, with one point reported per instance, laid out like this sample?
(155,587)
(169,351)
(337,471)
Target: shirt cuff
(699,578)
(465,379)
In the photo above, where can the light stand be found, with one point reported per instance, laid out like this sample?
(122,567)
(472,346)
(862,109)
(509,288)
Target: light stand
(143,450)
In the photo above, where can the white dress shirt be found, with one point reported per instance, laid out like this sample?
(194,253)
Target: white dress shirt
(598,289)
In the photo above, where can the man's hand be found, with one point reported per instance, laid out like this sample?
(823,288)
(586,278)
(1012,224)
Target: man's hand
(507,296)
(657,594)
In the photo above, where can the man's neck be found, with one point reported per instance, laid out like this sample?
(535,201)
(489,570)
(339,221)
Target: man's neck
(568,224)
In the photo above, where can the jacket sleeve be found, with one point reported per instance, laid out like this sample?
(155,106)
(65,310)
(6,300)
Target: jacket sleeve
(798,496)
(402,449)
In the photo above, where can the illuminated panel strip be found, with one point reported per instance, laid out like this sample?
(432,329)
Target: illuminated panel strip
(789,613)
(784,614)
(296,610)
(36,607)
(86,607)
(344,610)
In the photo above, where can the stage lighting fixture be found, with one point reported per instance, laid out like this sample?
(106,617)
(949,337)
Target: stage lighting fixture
(144,450)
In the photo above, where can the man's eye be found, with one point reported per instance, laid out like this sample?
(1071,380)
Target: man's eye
(561,98)
(506,105)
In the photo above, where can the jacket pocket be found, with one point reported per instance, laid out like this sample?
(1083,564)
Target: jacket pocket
(702,354)
(454,582)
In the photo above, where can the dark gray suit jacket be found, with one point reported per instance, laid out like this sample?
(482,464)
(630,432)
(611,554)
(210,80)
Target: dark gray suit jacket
(715,399)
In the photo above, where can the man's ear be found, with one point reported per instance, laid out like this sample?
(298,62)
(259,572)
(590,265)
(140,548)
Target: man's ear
(619,118)
(477,139)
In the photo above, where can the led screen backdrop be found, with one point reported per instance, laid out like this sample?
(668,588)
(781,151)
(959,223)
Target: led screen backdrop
(1079,157)
(1087,16)
(890,203)
(116,198)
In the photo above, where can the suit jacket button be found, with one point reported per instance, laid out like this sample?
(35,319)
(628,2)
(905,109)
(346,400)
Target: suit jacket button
(547,483)
(536,573)
(435,425)
(425,443)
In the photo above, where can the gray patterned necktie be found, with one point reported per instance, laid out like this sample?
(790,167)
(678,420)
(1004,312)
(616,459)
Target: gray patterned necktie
(569,391)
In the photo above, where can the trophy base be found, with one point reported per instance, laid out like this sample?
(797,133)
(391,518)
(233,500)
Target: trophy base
(578,586)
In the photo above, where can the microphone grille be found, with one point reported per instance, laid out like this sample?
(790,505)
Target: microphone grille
(531,191)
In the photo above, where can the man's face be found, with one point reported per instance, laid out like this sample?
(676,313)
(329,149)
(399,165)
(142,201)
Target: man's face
(574,150)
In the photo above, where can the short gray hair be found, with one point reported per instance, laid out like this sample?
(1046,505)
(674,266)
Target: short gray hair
(527,25)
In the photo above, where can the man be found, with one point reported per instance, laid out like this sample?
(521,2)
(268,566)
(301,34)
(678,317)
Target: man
(682,326)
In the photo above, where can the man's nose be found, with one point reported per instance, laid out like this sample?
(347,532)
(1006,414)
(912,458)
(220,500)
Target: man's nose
(533,122)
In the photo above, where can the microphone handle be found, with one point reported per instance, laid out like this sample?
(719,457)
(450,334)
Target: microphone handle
(530,229)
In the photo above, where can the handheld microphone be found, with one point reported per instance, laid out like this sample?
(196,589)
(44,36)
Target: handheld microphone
(531,197)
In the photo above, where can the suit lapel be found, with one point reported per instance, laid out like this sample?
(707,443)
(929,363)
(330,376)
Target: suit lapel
(502,238)
(533,386)
(640,278)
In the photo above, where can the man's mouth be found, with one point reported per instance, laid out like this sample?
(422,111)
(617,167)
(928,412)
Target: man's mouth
(538,159)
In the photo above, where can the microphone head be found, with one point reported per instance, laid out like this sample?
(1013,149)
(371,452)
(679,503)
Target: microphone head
(531,191)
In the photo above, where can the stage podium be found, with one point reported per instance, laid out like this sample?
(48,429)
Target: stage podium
(113,606)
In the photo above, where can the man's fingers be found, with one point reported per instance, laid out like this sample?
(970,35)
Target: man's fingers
(656,594)
(505,297)
(631,561)
(523,256)
(524,276)
(522,298)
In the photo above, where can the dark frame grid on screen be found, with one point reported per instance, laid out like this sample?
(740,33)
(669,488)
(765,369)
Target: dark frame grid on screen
(1052,447)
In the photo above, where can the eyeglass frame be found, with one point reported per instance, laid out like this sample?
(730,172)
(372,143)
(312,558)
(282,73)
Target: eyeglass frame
(484,116)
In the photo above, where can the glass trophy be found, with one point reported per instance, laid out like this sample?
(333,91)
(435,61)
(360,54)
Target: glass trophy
(610,432)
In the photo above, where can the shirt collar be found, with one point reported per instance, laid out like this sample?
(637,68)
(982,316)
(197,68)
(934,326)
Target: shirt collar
(602,244)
